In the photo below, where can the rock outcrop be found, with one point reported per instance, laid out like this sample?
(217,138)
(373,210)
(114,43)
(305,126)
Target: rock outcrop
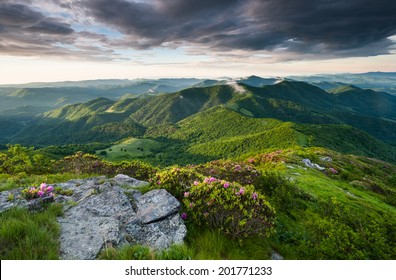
(104,213)
(310,164)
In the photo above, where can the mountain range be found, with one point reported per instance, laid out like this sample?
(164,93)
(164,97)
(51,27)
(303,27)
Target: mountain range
(205,119)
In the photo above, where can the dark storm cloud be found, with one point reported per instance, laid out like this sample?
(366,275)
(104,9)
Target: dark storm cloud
(296,25)
(339,25)
(22,18)
(156,22)
(24,31)
(326,28)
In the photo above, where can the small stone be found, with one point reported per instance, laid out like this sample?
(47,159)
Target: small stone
(308,163)
(276,256)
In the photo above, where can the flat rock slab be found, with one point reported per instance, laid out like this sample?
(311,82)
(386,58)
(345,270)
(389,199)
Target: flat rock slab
(156,205)
(125,180)
(12,198)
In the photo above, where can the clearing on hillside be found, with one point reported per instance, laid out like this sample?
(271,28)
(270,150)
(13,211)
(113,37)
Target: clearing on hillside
(129,149)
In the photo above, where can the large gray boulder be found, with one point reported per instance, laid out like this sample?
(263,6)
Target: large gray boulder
(95,221)
(104,213)
(101,214)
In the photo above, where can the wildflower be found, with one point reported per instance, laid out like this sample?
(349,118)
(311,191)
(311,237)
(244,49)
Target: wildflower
(241,191)
(251,160)
(254,195)
(332,170)
(183,216)
(158,182)
(212,179)
(191,205)
(186,194)
(238,167)
(49,189)
(40,193)
(226,185)
(206,180)
(43,186)
(196,183)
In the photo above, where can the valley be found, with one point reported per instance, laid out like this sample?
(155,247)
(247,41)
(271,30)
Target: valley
(200,137)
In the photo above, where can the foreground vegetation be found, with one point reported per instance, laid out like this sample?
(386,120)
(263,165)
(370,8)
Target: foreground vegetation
(251,206)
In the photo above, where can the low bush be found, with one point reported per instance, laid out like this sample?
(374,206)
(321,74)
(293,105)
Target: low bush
(236,211)
(175,180)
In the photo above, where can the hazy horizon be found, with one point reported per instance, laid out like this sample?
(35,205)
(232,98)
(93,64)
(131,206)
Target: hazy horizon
(190,77)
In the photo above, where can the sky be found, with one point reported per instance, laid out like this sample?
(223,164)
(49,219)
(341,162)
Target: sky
(58,40)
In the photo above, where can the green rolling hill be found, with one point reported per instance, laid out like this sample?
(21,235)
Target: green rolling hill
(256,135)
(229,120)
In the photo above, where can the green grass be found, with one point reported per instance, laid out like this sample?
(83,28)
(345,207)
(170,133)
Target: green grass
(322,216)
(129,149)
(196,247)
(27,236)
(319,215)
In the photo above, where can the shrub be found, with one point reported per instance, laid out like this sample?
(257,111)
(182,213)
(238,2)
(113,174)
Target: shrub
(81,163)
(236,211)
(230,171)
(135,169)
(175,180)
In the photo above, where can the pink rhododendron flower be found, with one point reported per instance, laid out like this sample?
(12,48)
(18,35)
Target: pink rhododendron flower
(191,205)
(158,182)
(255,196)
(40,193)
(226,185)
(241,191)
(238,167)
(332,170)
(186,194)
(43,186)
(212,179)
(183,216)
(50,189)
(196,183)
